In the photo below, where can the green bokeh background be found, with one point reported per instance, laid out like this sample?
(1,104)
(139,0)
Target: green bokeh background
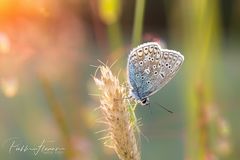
(46,52)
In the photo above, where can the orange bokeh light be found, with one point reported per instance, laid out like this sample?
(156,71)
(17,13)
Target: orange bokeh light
(9,86)
(4,43)
(12,9)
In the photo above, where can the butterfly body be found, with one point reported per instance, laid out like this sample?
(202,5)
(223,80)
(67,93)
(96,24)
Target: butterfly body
(150,68)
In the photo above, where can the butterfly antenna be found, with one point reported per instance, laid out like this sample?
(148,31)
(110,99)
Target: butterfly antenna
(169,111)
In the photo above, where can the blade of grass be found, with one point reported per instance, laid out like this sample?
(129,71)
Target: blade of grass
(138,22)
(59,117)
(200,38)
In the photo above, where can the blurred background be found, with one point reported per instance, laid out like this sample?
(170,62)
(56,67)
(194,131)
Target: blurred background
(47,47)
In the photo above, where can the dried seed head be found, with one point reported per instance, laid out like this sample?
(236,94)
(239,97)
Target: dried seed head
(117,116)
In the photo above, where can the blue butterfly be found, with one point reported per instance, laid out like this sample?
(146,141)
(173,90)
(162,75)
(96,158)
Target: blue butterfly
(150,68)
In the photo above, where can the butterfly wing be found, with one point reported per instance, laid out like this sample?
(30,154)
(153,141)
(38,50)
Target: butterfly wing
(167,66)
(137,74)
(150,68)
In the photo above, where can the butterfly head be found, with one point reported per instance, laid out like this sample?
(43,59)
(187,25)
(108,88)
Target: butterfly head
(145,101)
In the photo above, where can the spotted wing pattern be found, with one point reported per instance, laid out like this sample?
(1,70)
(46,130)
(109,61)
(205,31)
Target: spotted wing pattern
(150,68)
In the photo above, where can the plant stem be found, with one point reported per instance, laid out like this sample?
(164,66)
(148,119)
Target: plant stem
(59,116)
(138,22)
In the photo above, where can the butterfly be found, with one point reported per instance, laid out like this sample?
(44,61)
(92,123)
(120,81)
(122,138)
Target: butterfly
(150,68)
